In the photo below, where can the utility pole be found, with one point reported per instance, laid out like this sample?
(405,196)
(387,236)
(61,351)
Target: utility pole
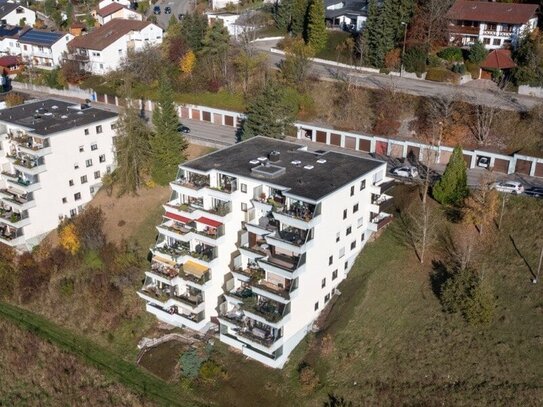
(538,267)
(403,49)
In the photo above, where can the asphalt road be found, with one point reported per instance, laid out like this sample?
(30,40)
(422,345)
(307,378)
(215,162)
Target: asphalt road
(494,98)
(177,6)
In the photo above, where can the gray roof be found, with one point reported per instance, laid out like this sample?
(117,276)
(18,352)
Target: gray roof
(6,8)
(322,179)
(50,116)
(351,8)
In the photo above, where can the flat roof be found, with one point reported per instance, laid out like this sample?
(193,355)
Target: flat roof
(50,116)
(307,174)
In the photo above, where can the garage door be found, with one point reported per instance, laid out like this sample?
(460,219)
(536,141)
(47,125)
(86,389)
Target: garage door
(381,147)
(335,139)
(413,152)
(206,116)
(364,145)
(396,150)
(539,170)
(195,114)
(501,165)
(229,121)
(444,157)
(523,167)
(184,112)
(467,159)
(350,142)
(321,137)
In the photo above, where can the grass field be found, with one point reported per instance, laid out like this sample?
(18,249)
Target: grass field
(330,52)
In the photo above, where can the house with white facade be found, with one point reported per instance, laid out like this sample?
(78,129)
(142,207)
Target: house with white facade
(42,48)
(103,49)
(349,15)
(14,13)
(53,155)
(113,11)
(236,24)
(105,3)
(496,25)
(9,39)
(256,238)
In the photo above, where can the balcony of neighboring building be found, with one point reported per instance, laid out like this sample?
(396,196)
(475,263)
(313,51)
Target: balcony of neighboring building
(166,295)
(194,208)
(178,316)
(28,164)
(190,183)
(265,310)
(13,217)
(225,185)
(379,221)
(179,227)
(31,145)
(179,251)
(22,182)
(17,200)
(10,235)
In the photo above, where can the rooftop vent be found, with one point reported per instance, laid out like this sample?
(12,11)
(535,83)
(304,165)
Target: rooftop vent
(48,114)
(262,159)
(296,162)
(274,156)
(54,107)
(321,160)
(309,167)
(79,113)
(268,170)
(64,116)
(254,162)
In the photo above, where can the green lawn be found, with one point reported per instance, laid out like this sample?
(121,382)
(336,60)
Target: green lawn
(331,53)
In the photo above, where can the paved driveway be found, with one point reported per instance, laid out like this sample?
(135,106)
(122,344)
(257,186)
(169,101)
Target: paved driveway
(177,6)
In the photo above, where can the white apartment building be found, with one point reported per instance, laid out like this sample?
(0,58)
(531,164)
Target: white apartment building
(13,13)
(257,236)
(53,155)
(103,49)
(43,49)
(496,25)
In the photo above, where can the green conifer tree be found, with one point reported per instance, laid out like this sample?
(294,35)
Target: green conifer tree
(167,144)
(298,21)
(194,28)
(452,188)
(316,27)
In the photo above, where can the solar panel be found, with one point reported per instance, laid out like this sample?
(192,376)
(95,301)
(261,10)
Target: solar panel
(41,37)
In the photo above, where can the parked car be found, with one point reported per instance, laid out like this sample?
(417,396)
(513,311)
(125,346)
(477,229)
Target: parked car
(406,171)
(168,10)
(156,10)
(183,129)
(536,192)
(512,187)
(483,162)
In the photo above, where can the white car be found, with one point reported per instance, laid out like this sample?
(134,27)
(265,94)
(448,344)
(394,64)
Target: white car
(406,171)
(512,187)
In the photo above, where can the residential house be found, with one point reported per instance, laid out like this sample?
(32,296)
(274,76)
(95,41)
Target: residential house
(103,49)
(10,65)
(497,60)
(9,39)
(236,24)
(258,236)
(42,48)
(115,10)
(53,155)
(496,25)
(349,15)
(105,3)
(78,28)
(13,13)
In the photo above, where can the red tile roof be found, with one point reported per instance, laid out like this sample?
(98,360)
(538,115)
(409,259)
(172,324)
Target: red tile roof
(506,13)
(9,60)
(499,59)
(109,9)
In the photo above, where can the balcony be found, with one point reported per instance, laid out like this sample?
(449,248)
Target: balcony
(263,337)
(283,265)
(21,202)
(195,273)
(78,56)
(31,145)
(251,272)
(263,308)
(10,235)
(174,316)
(13,218)
(273,291)
(27,165)
(24,184)
(464,30)
(171,253)
(248,330)
(380,221)
(194,210)
(163,270)
(193,182)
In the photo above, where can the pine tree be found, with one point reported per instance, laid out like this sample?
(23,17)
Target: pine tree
(194,29)
(132,146)
(452,188)
(316,28)
(167,144)
(282,14)
(299,17)
(215,46)
(269,114)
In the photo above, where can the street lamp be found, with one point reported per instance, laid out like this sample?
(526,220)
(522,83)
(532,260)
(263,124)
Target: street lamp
(403,49)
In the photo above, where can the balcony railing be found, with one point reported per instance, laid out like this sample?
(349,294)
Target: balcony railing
(258,335)
(269,310)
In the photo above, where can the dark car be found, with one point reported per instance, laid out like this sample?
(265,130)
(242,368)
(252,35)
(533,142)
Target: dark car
(156,10)
(183,129)
(168,10)
(536,192)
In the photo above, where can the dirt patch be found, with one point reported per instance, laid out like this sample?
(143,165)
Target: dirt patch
(162,359)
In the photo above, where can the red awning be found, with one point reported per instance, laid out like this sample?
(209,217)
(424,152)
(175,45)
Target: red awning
(209,222)
(178,218)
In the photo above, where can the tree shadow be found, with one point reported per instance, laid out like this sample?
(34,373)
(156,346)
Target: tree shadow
(522,257)
(439,276)
(454,214)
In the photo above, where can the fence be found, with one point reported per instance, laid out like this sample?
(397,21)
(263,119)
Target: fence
(73,92)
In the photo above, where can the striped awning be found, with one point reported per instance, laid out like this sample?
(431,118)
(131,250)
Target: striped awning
(209,222)
(177,218)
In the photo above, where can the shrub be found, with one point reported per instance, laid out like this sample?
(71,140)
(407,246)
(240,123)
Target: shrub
(473,69)
(210,371)
(190,364)
(66,286)
(451,54)
(442,75)
(477,53)
(92,260)
(308,378)
(435,62)
(415,60)
(14,99)
(459,68)
(452,188)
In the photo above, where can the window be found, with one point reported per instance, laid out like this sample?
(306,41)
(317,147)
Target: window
(344,213)
(88,163)
(94,147)
(244,207)
(362,184)
(113,126)
(334,275)
(497,41)
(71,182)
(84,179)
(355,208)
(86,132)
(330,260)
(352,190)
(76,166)
(360,222)
(323,283)
(81,149)
(346,265)
(337,236)
(101,66)
(342,252)
(362,237)
(353,245)
(91,190)
(348,231)
(96,174)
(64,200)
(77,196)
(486,41)
(326,298)
(102,158)
(73,212)
(244,188)
(316,305)
(98,129)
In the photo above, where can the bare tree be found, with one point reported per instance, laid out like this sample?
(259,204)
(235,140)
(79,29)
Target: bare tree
(421,225)
(482,204)
(435,24)
(481,124)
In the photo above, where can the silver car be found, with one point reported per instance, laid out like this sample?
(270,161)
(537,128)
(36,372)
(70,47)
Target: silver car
(511,187)
(406,171)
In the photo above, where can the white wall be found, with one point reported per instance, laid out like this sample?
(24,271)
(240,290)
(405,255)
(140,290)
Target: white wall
(14,17)
(105,3)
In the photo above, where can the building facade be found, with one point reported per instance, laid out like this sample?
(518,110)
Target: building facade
(496,25)
(14,13)
(53,156)
(43,49)
(256,238)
